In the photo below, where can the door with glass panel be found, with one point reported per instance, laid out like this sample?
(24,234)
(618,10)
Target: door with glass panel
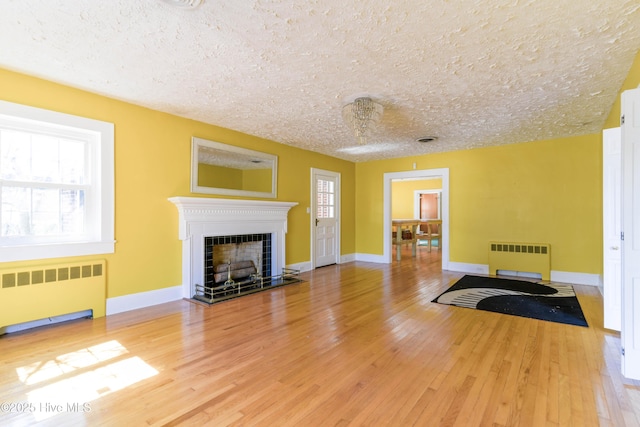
(325,224)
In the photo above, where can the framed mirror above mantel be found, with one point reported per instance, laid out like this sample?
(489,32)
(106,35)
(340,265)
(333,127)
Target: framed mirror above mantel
(223,169)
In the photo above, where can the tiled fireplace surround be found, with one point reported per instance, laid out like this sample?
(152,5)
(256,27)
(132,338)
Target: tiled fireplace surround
(201,219)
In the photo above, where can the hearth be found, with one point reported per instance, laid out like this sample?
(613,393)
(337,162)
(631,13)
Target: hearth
(238,265)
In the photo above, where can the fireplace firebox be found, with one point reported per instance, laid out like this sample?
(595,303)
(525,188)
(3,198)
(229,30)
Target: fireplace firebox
(222,250)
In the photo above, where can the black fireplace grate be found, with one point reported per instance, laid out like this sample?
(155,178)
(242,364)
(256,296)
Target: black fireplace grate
(210,242)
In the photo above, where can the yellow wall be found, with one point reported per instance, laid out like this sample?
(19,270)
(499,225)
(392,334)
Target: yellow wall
(544,191)
(402,195)
(152,163)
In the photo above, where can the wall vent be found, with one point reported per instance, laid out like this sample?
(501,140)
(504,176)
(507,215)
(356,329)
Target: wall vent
(520,248)
(38,276)
(520,257)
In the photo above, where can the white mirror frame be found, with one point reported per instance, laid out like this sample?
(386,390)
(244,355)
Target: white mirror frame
(196,143)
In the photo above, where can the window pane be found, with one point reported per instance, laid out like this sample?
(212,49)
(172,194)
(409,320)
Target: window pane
(16,211)
(15,155)
(72,212)
(45,218)
(72,162)
(42,212)
(41,158)
(44,159)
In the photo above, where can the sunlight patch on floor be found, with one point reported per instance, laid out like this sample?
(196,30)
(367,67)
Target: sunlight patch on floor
(70,381)
(43,371)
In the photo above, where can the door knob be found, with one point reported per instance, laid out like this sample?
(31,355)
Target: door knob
(615,248)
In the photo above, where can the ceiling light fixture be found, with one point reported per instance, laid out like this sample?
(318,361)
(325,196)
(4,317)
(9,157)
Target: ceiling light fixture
(185,4)
(362,114)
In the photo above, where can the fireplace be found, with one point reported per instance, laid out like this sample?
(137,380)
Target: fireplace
(213,221)
(223,250)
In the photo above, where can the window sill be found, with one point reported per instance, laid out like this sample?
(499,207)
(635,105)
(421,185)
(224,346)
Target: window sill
(56,250)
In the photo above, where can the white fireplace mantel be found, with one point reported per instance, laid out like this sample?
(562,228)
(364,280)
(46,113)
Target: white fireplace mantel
(200,217)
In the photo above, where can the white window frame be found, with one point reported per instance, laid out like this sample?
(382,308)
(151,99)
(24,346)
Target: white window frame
(99,238)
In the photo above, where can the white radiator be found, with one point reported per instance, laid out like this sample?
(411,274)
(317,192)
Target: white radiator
(39,292)
(521,257)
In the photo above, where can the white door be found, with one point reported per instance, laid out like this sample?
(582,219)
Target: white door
(612,227)
(325,225)
(630,333)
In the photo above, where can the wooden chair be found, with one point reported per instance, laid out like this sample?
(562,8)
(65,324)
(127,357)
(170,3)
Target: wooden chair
(434,230)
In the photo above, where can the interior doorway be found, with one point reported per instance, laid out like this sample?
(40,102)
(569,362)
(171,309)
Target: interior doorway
(443,174)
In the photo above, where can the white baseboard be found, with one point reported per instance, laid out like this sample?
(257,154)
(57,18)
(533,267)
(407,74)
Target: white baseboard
(114,306)
(464,267)
(576,278)
(306,265)
(347,258)
(143,299)
(302,266)
(556,276)
(371,258)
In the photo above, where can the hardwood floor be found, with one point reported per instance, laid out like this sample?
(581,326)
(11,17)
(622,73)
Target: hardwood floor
(355,344)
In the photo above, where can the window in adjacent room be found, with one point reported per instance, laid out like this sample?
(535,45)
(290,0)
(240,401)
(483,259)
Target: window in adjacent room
(56,184)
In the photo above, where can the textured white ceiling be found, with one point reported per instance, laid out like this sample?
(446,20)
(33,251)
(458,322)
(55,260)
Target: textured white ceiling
(472,72)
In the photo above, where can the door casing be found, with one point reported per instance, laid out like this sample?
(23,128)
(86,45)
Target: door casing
(442,173)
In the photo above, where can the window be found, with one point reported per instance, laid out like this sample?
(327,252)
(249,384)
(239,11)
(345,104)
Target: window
(326,199)
(56,184)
